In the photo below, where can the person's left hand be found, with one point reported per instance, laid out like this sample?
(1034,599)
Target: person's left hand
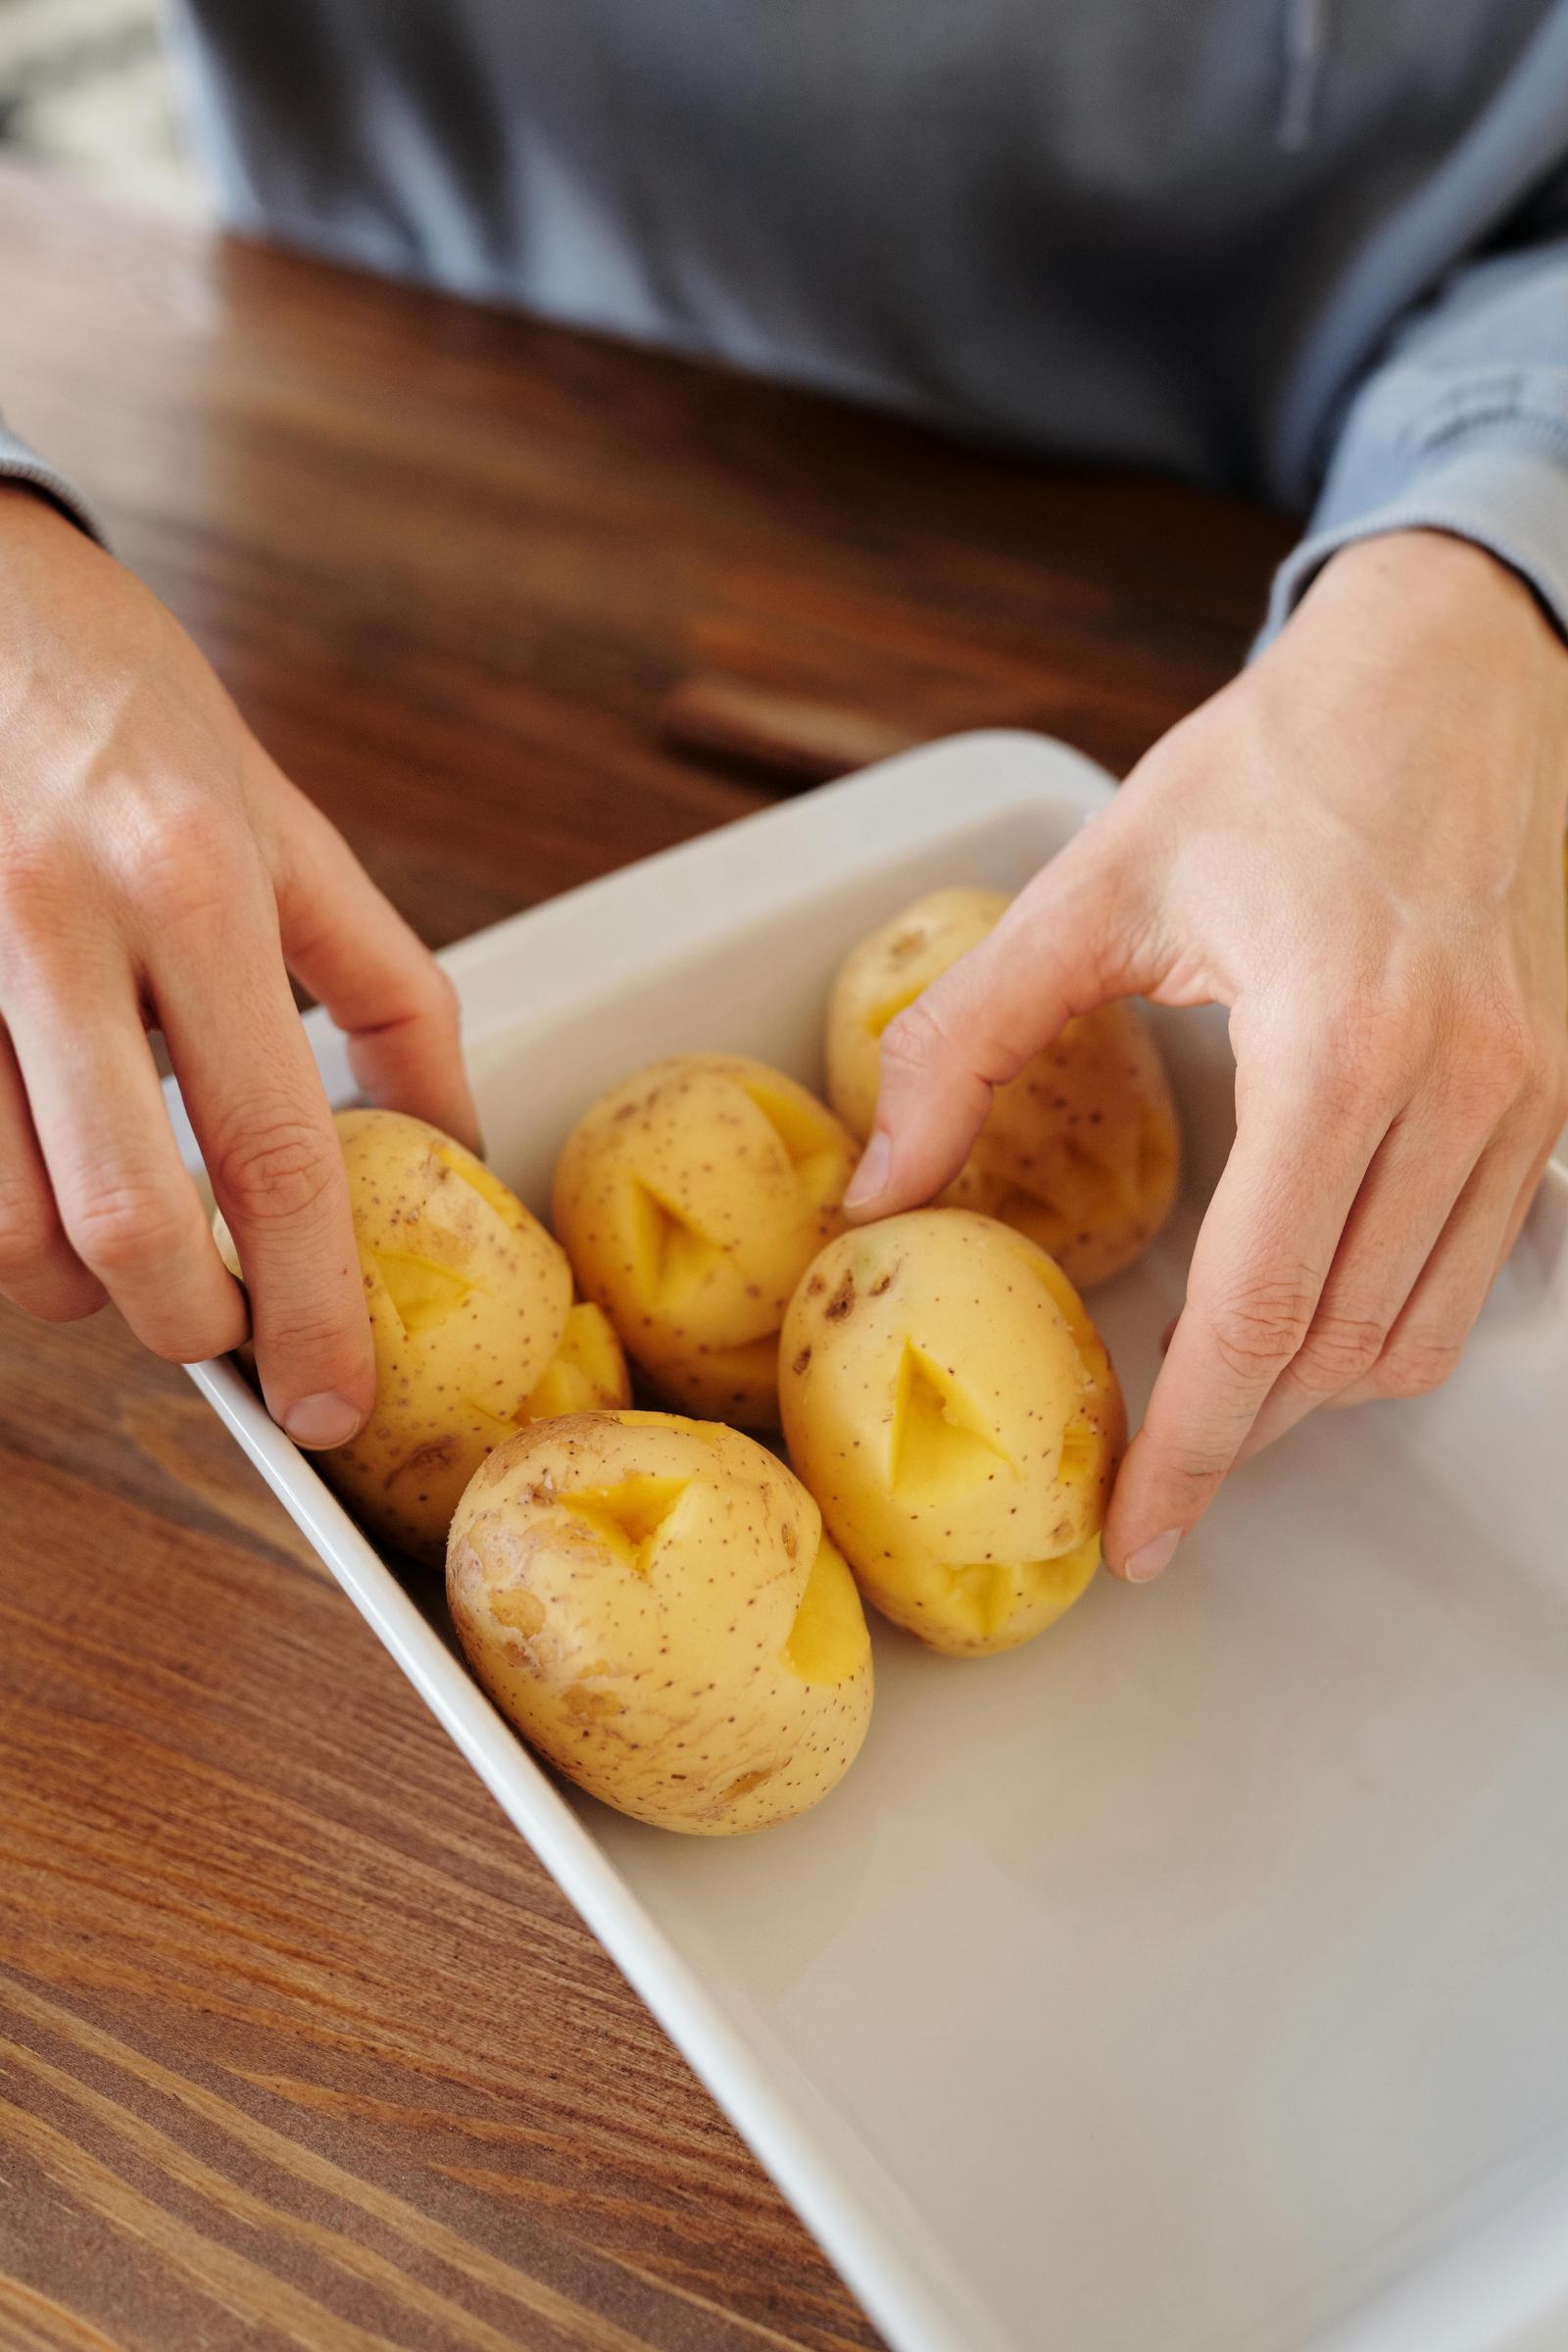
(1357,847)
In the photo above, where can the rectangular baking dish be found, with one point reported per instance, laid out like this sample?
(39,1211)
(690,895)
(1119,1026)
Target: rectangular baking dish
(1195,1979)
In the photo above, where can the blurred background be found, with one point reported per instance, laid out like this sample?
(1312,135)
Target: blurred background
(86,87)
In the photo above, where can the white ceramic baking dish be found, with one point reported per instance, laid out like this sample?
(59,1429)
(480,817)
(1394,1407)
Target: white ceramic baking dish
(1191,1981)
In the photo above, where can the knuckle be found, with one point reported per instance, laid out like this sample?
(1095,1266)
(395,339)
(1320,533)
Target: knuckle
(1546,1087)
(126,1227)
(441,992)
(1491,1055)
(66,1304)
(1504,1051)
(914,1043)
(272,1164)
(1337,1351)
(1360,1051)
(180,858)
(1368,1075)
(317,1341)
(39,888)
(28,1231)
(1416,1364)
(1260,1327)
(952,1030)
(1195,1468)
(196,1339)
(1350,1088)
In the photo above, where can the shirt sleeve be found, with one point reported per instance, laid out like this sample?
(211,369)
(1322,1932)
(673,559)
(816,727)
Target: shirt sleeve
(1462,427)
(19,463)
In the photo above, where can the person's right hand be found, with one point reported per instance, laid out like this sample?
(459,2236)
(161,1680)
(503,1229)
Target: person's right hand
(158,871)
(1357,848)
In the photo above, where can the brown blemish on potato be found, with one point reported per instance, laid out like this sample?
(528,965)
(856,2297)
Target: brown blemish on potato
(590,1706)
(842,1301)
(515,1607)
(435,1455)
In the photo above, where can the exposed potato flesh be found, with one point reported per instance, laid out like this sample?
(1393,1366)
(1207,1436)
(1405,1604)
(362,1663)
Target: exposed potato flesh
(653,1602)
(950,1405)
(690,1198)
(473,1322)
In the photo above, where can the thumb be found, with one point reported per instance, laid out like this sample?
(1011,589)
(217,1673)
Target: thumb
(1063,948)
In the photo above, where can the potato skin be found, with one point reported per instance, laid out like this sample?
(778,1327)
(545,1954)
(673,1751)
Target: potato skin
(690,1200)
(951,1406)
(653,1604)
(473,1322)
(1081,1150)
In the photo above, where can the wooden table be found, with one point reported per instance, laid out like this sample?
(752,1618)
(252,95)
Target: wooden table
(298,2045)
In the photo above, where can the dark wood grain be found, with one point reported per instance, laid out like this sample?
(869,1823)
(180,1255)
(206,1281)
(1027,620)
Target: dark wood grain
(298,2045)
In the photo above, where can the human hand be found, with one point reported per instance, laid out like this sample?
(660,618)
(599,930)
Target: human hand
(157,870)
(1357,847)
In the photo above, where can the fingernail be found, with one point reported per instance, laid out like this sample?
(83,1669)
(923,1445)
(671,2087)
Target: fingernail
(1153,1559)
(321,1421)
(870,1177)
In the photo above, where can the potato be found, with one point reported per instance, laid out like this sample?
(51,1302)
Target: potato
(691,1199)
(1081,1152)
(473,1324)
(653,1604)
(950,1406)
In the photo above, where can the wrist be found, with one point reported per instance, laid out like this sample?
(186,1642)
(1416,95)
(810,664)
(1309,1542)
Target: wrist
(30,517)
(1434,579)
(42,550)
(28,513)
(1420,622)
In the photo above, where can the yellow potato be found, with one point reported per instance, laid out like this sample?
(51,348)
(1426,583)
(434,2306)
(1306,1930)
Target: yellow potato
(653,1604)
(1081,1152)
(473,1324)
(950,1405)
(690,1200)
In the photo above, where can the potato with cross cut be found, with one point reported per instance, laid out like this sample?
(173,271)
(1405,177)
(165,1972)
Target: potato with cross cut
(654,1604)
(691,1199)
(1081,1150)
(951,1406)
(473,1322)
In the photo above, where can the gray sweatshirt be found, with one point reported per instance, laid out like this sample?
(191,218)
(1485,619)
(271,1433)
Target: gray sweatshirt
(1316,249)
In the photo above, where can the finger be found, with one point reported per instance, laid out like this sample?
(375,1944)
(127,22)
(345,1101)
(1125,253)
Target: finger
(1427,1342)
(380,983)
(255,1099)
(1524,1201)
(1417,1176)
(1303,1142)
(40,1271)
(128,1209)
(1055,953)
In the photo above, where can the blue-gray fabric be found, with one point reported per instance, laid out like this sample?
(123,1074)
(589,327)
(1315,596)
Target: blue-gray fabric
(21,463)
(1316,249)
